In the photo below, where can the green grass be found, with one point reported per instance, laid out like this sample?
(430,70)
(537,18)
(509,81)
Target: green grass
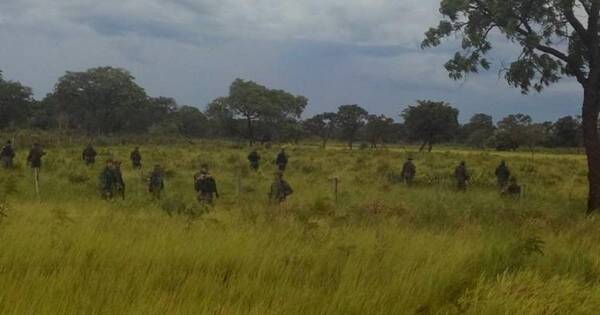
(381,248)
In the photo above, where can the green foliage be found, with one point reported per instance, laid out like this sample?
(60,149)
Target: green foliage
(350,119)
(431,122)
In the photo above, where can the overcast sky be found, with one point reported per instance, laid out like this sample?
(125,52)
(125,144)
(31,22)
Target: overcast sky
(334,52)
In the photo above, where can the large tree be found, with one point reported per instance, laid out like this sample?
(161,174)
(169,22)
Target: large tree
(512,132)
(478,131)
(430,122)
(103,100)
(253,101)
(322,126)
(15,103)
(350,119)
(557,38)
(379,130)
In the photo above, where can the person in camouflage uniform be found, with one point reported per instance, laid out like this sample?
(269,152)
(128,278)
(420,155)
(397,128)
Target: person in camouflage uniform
(156,183)
(282,160)
(7,155)
(280,189)
(89,155)
(34,159)
(254,159)
(513,189)
(120,183)
(136,158)
(409,170)
(462,176)
(205,186)
(108,180)
(502,175)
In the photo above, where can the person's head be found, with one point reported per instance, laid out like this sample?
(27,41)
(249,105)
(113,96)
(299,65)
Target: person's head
(463,163)
(8,142)
(513,180)
(157,167)
(110,163)
(502,162)
(410,158)
(282,150)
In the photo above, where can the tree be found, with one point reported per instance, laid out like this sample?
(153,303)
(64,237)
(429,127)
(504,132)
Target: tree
(379,130)
(350,119)
(431,122)
(190,122)
(103,100)
(478,130)
(253,101)
(322,126)
(512,132)
(557,38)
(566,132)
(15,103)
(221,119)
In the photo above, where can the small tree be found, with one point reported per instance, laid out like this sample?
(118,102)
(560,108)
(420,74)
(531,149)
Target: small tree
(379,130)
(431,122)
(512,132)
(478,131)
(322,126)
(350,119)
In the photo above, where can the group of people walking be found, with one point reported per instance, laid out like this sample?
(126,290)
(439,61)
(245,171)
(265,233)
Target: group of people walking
(112,184)
(508,184)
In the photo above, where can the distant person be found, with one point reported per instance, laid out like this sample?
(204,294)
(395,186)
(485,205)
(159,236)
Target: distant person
(513,189)
(156,182)
(282,160)
(120,183)
(108,180)
(462,176)
(280,189)
(34,159)
(89,155)
(254,159)
(136,158)
(206,186)
(7,155)
(502,175)
(409,170)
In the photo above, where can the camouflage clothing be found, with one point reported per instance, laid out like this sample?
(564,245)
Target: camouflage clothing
(502,174)
(89,155)
(280,190)
(7,155)
(34,159)
(462,176)
(254,159)
(120,183)
(206,187)
(409,170)
(108,182)
(156,183)
(136,159)
(281,161)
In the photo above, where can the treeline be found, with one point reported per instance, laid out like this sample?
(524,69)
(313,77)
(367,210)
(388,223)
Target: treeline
(107,101)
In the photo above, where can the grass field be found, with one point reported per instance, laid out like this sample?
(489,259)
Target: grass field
(381,248)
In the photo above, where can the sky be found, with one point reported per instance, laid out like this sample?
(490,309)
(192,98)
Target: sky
(334,52)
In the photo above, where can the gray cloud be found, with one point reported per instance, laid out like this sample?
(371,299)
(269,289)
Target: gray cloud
(333,51)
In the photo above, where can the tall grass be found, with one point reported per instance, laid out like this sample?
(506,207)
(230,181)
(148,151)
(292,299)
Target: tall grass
(382,248)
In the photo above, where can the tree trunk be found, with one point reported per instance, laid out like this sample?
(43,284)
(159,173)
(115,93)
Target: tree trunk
(250,130)
(324,143)
(592,144)
(423,146)
(430,147)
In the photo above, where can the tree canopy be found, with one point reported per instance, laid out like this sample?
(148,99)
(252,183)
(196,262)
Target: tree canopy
(431,122)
